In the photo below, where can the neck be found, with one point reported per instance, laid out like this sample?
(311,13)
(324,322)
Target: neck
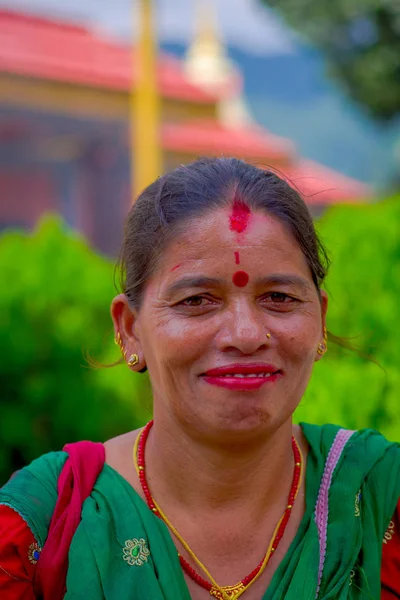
(189,473)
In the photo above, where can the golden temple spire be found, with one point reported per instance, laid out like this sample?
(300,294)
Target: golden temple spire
(207,62)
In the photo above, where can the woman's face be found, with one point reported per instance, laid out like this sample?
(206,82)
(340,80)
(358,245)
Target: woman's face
(232,278)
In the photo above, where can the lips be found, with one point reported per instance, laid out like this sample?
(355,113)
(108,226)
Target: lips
(242,377)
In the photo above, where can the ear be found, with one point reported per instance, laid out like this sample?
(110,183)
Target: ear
(324,310)
(125,320)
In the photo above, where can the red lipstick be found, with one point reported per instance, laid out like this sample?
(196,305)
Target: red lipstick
(242,377)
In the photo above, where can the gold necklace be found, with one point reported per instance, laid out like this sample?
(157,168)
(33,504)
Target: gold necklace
(220,592)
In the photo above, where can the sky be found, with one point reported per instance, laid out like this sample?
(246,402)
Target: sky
(244,24)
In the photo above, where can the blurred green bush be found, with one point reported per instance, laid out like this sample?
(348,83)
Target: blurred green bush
(364,305)
(55,306)
(54,303)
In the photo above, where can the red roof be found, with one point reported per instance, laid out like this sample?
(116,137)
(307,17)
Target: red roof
(211,137)
(43,48)
(320,185)
(38,47)
(317,183)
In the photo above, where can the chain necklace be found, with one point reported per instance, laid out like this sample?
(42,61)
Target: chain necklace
(220,592)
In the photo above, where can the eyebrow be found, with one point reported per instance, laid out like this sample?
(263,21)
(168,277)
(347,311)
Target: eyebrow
(193,282)
(208,282)
(282,279)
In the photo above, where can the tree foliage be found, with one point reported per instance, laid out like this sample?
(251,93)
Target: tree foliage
(55,306)
(361,40)
(363,288)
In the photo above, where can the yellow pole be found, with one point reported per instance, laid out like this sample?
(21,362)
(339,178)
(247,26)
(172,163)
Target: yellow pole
(145,105)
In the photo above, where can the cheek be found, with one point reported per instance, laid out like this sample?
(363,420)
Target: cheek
(299,342)
(172,342)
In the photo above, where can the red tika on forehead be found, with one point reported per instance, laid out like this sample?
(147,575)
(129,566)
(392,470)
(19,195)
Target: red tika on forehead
(239,218)
(237,258)
(240,279)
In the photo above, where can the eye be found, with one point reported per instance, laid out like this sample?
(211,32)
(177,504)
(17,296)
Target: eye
(193,301)
(196,302)
(279,301)
(280,297)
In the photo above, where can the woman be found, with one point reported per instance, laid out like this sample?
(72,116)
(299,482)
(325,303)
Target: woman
(222,303)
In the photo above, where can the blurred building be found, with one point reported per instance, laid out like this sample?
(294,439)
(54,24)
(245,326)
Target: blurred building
(64,125)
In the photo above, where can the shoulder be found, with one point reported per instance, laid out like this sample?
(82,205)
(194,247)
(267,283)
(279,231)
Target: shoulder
(358,460)
(362,454)
(41,474)
(119,456)
(369,443)
(32,492)
(119,447)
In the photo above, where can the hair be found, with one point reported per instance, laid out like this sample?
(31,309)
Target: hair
(164,208)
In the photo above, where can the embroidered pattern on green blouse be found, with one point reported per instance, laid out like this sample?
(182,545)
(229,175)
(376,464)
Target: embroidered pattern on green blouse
(136,552)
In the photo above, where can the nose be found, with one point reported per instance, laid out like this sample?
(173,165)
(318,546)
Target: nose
(244,329)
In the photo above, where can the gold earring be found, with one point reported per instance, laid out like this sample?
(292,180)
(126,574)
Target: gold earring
(268,335)
(323,346)
(118,341)
(133,360)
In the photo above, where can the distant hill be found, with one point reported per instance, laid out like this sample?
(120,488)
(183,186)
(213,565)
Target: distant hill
(292,96)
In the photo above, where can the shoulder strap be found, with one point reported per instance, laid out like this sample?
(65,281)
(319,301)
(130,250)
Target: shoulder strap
(322,506)
(359,490)
(75,483)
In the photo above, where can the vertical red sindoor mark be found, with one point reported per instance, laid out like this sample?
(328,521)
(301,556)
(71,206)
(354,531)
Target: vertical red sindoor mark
(239,221)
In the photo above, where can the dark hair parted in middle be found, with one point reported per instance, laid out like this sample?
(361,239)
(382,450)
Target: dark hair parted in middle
(196,189)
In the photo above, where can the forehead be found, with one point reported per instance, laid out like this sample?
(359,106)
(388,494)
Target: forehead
(211,239)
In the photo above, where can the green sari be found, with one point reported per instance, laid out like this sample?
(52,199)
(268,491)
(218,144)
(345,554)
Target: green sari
(122,550)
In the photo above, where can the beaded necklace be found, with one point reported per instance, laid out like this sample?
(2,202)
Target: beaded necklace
(220,592)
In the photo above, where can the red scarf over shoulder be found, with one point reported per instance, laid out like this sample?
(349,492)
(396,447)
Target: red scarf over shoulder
(75,484)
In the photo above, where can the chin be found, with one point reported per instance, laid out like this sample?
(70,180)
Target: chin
(247,414)
(247,420)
